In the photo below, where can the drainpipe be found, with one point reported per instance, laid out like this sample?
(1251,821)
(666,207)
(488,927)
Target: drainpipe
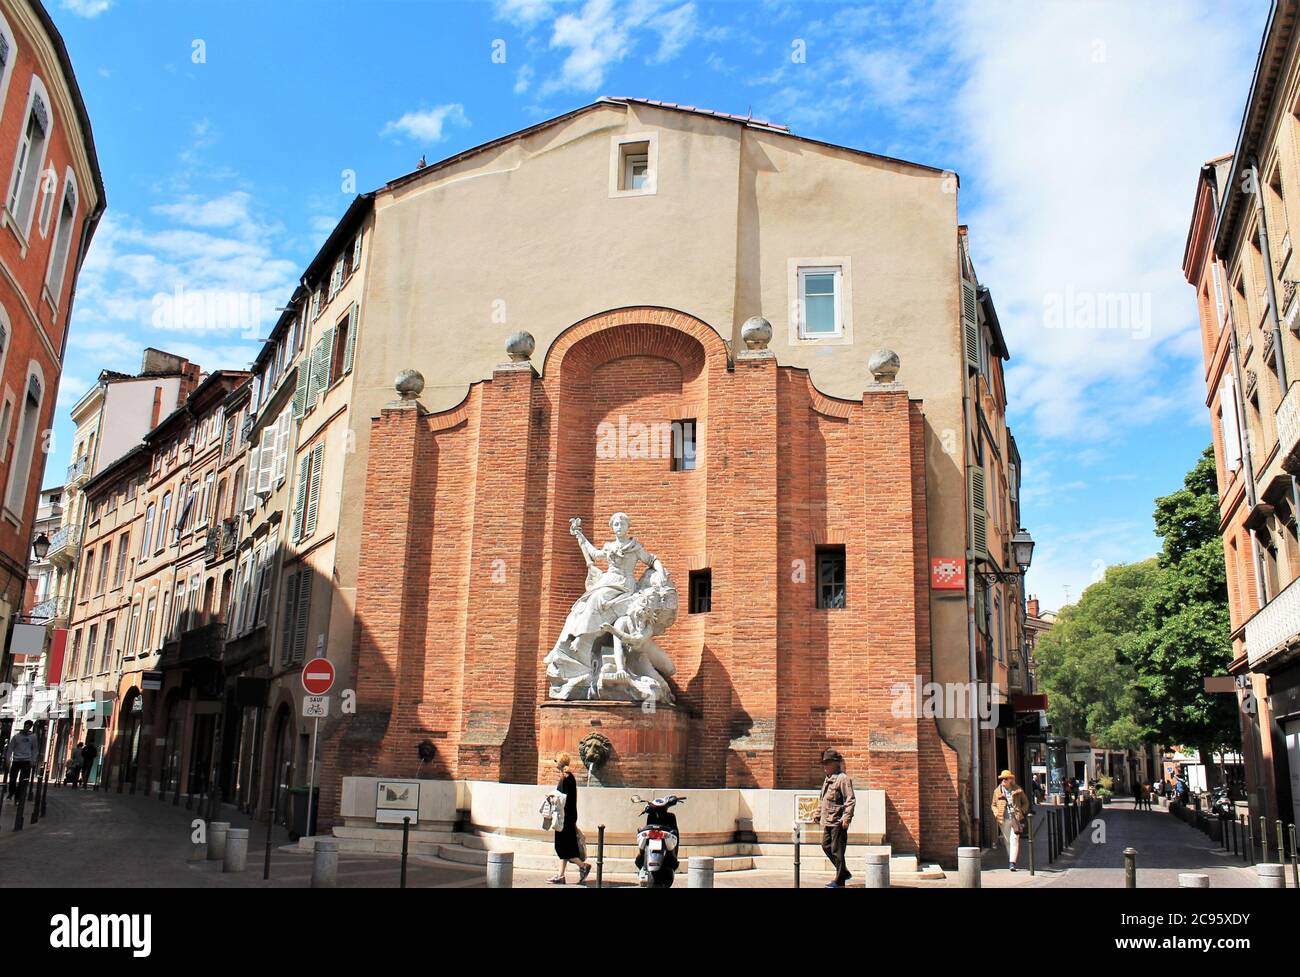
(972,663)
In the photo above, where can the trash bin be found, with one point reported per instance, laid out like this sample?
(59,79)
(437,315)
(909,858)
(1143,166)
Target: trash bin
(298,826)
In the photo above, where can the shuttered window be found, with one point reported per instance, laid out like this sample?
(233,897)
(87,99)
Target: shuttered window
(979,513)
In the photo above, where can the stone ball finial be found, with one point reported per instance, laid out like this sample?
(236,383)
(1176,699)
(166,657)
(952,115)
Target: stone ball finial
(520,346)
(884,365)
(409,384)
(756,332)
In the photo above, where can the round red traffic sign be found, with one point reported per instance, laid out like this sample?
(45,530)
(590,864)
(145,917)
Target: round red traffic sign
(318,676)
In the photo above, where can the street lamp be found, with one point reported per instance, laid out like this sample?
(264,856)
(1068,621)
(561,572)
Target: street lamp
(41,546)
(1022,548)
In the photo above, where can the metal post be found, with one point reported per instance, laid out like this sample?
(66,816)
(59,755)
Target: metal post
(21,801)
(600,856)
(1250,840)
(1281,843)
(1263,838)
(1029,830)
(406,840)
(796,854)
(36,798)
(1051,851)
(1295,860)
(1130,868)
(45,791)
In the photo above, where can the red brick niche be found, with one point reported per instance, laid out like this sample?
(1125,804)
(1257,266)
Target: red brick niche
(467,571)
(649,746)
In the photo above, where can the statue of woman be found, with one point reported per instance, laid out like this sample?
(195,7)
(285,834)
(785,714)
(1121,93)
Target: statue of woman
(608,597)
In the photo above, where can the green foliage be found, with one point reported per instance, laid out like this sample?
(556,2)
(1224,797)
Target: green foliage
(1183,629)
(1091,692)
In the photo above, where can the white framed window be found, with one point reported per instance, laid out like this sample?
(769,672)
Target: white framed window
(821,300)
(25,444)
(634,165)
(29,159)
(8,58)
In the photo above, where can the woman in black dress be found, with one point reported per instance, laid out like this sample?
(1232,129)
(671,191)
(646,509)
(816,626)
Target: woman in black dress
(566,840)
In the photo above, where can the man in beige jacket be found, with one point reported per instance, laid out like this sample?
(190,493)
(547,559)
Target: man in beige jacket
(1010,806)
(835,814)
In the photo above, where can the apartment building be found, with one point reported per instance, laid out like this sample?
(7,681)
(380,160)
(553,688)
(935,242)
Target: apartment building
(1240,260)
(54,197)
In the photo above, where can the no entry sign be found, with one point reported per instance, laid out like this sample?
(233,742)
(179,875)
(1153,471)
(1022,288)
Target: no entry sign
(318,676)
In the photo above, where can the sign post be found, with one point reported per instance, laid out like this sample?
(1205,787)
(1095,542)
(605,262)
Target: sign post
(317,679)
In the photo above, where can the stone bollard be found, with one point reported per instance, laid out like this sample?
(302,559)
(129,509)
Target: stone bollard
(501,870)
(217,840)
(325,863)
(1270,875)
(236,859)
(968,868)
(1193,880)
(876,875)
(700,872)
(199,851)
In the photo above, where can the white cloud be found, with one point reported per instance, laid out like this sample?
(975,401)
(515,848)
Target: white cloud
(86,8)
(229,210)
(427,126)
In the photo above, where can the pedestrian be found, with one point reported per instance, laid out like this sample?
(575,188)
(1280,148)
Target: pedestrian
(567,846)
(20,754)
(72,775)
(1010,805)
(88,753)
(835,814)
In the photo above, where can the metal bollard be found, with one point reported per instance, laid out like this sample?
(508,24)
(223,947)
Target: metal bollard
(1263,838)
(1193,880)
(699,872)
(1295,860)
(36,797)
(600,856)
(796,854)
(325,863)
(877,870)
(406,844)
(1029,832)
(1270,875)
(1130,868)
(217,840)
(968,867)
(501,870)
(236,855)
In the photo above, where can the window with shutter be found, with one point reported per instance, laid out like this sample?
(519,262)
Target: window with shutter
(349,351)
(290,618)
(264,598)
(326,375)
(970,322)
(313,497)
(266,459)
(281,448)
(979,514)
(336,277)
(300,496)
(250,493)
(1232,439)
(356,252)
(303,613)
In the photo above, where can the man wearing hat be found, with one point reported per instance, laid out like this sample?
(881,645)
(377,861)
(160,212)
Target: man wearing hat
(1010,806)
(835,813)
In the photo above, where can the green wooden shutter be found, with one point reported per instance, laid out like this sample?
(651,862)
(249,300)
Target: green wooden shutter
(970,323)
(353,317)
(300,496)
(301,385)
(304,612)
(290,619)
(979,514)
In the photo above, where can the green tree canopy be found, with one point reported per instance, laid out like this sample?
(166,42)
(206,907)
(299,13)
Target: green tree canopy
(1091,691)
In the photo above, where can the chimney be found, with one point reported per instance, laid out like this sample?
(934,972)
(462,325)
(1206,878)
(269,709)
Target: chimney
(1032,607)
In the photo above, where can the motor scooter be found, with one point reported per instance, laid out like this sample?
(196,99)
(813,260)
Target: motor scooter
(657,842)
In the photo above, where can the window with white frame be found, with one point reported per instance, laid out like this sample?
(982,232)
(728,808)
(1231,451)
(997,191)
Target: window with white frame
(820,302)
(33,141)
(25,447)
(8,57)
(633,165)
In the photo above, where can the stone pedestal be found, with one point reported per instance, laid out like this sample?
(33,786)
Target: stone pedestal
(650,746)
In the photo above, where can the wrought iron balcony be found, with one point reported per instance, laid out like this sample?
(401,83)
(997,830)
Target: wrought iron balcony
(79,470)
(63,545)
(1275,626)
(50,608)
(221,540)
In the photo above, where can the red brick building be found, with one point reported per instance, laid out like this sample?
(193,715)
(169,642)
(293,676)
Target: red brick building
(474,504)
(54,197)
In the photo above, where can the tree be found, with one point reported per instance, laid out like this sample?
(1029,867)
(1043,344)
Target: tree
(1184,626)
(1091,691)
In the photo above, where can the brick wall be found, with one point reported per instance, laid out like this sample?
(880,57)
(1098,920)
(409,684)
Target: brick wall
(468,568)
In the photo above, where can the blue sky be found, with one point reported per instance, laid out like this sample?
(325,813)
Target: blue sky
(227,130)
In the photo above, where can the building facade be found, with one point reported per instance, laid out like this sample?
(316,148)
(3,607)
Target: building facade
(1239,259)
(54,197)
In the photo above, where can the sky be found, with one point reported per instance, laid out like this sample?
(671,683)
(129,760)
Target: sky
(233,135)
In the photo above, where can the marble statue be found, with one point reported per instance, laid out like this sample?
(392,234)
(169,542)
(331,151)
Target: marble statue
(607,648)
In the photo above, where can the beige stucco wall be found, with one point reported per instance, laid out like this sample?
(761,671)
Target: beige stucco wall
(528,236)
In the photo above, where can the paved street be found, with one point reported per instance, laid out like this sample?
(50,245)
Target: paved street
(108,839)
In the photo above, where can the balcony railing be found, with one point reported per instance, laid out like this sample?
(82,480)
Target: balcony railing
(49,608)
(79,469)
(64,543)
(1275,625)
(1288,429)
(222,539)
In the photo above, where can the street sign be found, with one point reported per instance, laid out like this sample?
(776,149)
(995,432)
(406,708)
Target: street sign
(315,706)
(318,676)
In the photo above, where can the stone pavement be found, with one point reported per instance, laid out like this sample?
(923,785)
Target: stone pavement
(107,839)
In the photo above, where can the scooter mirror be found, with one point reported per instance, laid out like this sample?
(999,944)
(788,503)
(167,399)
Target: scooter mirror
(636,799)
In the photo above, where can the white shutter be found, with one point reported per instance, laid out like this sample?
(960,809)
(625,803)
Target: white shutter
(302,384)
(356,252)
(336,277)
(281,447)
(250,483)
(354,316)
(1232,440)
(300,496)
(265,459)
(313,497)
